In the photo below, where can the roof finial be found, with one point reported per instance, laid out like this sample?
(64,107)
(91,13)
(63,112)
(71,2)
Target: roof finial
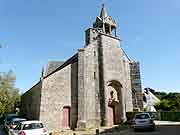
(103,14)
(103,5)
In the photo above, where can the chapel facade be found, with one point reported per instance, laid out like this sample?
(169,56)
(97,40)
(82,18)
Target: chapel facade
(95,87)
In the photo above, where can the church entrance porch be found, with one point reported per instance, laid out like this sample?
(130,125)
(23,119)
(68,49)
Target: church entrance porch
(114,105)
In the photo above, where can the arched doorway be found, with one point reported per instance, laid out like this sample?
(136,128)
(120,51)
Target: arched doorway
(114,108)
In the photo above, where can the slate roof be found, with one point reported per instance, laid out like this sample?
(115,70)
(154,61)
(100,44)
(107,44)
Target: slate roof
(51,66)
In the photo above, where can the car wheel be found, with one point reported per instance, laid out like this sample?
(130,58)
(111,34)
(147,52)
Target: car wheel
(135,129)
(152,128)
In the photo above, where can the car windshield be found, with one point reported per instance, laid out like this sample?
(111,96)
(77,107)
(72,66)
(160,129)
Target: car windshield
(18,121)
(142,116)
(32,126)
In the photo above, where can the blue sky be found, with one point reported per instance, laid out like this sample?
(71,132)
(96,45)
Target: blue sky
(36,31)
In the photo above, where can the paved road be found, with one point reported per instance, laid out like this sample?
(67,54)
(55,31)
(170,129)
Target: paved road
(161,130)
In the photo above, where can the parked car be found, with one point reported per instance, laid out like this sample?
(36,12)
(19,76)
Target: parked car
(7,119)
(29,128)
(13,123)
(143,121)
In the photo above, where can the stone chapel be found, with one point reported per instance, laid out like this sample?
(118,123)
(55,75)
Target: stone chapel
(95,87)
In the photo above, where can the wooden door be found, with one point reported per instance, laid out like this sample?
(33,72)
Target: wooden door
(66,117)
(110,121)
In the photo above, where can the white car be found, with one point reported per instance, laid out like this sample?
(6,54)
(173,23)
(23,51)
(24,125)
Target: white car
(29,128)
(143,121)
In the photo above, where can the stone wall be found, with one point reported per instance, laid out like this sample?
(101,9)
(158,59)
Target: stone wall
(100,62)
(127,85)
(136,86)
(88,91)
(116,69)
(31,102)
(56,93)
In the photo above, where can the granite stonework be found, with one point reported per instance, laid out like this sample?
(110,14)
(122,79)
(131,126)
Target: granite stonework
(56,93)
(93,88)
(136,86)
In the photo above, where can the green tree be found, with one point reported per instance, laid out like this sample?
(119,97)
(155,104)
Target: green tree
(168,101)
(9,94)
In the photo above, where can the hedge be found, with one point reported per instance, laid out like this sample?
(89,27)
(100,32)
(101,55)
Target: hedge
(163,115)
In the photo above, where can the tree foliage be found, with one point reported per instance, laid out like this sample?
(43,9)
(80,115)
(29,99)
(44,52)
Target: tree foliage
(9,94)
(168,101)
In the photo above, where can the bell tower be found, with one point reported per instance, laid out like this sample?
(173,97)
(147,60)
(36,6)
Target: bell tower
(104,24)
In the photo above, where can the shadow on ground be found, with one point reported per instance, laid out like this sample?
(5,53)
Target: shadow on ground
(113,130)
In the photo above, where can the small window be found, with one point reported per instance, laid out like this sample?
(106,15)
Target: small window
(94,53)
(94,75)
